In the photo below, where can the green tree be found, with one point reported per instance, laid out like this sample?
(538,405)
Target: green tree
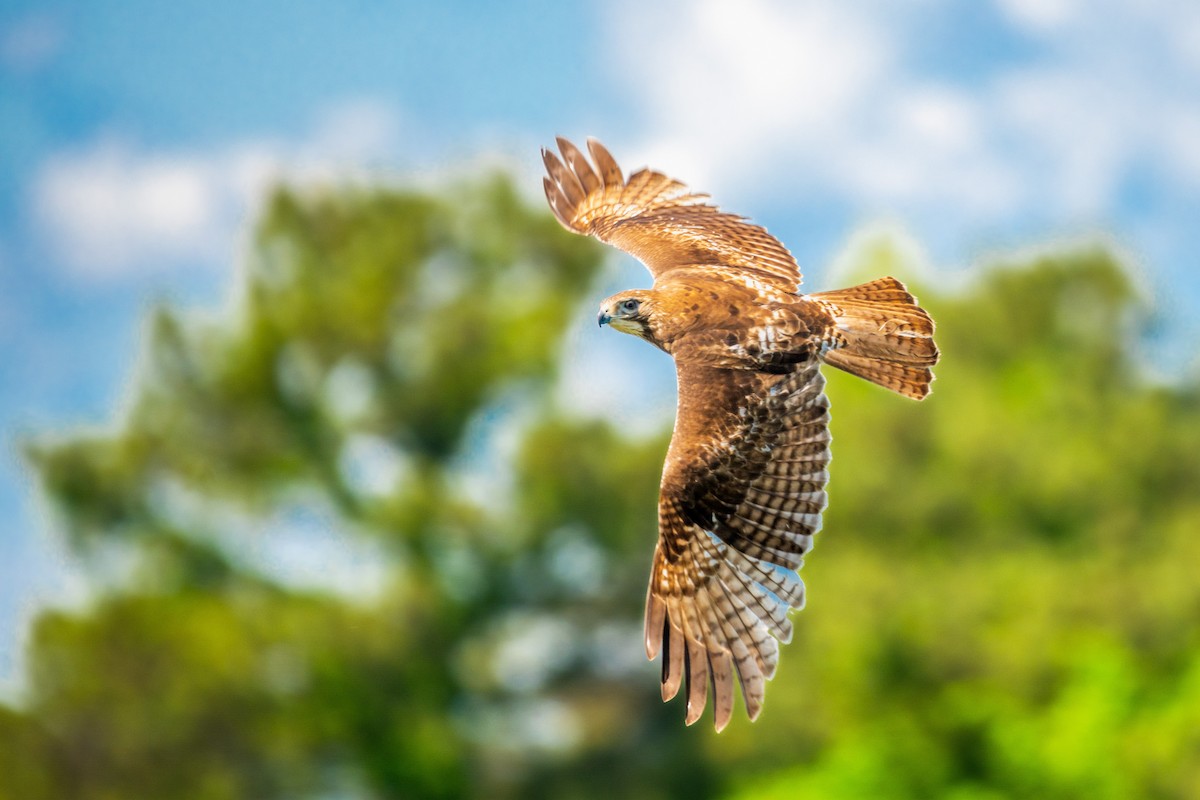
(382,322)
(1001,604)
(1004,604)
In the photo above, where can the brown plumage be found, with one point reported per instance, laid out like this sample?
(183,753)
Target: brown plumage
(743,486)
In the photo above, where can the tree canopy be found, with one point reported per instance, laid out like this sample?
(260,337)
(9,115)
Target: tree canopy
(1001,604)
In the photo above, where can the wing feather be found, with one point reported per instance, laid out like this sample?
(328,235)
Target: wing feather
(657,219)
(564,179)
(734,526)
(609,171)
(588,179)
(697,675)
(674,654)
(743,645)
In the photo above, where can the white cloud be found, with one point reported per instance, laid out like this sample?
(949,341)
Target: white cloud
(112,208)
(356,130)
(1184,36)
(1040,16)
(924,147)
(1182,141)
(805,98)
(1076,137)
(828,99)
(760,77)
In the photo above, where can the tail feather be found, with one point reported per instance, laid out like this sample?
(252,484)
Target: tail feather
(881,334)
(900,378)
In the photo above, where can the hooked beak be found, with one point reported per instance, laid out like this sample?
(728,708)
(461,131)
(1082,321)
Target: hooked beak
(603,318)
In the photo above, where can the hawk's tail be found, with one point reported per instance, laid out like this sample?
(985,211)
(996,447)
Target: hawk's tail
(881,334)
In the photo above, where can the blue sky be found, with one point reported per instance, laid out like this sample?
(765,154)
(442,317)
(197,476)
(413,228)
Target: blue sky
(136,136)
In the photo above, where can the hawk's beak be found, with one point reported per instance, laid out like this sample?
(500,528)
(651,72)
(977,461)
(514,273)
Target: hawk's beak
(603,318)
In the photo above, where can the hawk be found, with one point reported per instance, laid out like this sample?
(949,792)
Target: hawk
(743,485)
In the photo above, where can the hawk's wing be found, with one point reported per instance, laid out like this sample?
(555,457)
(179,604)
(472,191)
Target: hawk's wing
(742,494)
(657,219)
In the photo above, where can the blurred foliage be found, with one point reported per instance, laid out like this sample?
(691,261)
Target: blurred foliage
(1004,604)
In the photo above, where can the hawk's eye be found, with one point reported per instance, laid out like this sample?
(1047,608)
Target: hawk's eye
(629,305)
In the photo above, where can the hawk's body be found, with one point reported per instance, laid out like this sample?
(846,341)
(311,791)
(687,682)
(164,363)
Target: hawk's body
(743,485)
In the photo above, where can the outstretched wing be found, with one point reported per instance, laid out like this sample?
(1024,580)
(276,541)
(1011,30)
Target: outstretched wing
(742,494)
(657,220)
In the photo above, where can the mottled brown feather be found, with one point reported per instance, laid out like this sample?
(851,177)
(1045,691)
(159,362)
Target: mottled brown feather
(743,486)
(731,538)
(656,219)
(881,334)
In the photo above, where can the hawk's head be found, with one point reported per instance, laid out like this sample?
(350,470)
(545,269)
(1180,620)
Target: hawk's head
(629,312)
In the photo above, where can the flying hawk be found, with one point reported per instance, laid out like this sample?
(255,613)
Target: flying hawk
(743,486)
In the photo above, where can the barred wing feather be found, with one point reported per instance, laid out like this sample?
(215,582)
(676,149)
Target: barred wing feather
(657,219)
(742,494)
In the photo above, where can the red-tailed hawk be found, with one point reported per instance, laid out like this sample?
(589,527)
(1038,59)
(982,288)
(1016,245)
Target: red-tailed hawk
(743,486)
